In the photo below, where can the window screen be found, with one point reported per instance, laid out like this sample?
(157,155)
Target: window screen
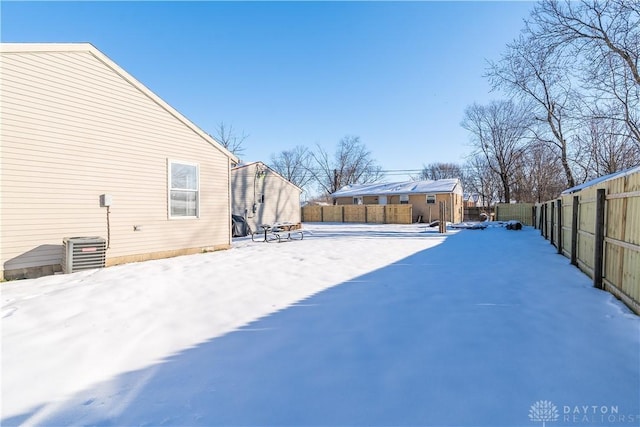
(183,190)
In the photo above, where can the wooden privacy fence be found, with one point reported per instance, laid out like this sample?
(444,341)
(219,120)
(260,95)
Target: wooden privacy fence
(598,228)
(475,213)
(522,212)
(378,214)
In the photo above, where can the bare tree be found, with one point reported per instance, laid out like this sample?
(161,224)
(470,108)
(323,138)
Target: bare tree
(615,97)
(227,137)
(576,63)
(539,177)
(598,27)
(480,179)
(352,163)
(537,74)
(498,132)
(606,36)
(294,165)
(607,147)
(436,171)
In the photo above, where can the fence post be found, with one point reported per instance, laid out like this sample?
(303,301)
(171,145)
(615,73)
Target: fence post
(559,237)
(599,239)
(366,220)
(541,219)
(442,223)
(546,221)
(321,213)
(574,230)
(553,211)
(533,216)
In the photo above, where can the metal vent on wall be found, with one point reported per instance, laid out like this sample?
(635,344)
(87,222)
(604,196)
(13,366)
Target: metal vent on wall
(83,253)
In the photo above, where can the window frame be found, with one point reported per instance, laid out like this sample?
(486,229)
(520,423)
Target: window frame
(434,202)
(406,199)
(170,189)
(358,200)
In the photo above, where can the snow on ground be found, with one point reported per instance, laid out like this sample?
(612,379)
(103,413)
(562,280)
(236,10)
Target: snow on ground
(354,325)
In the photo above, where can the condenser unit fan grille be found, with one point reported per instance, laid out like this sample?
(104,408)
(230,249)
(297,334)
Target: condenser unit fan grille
(83,253)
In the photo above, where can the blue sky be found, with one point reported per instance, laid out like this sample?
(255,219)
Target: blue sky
(397,74)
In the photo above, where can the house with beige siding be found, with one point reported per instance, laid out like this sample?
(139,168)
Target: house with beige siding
(88,150)
(263,196)
(424,196)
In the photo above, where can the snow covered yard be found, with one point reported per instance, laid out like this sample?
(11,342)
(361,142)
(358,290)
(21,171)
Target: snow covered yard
(354,325)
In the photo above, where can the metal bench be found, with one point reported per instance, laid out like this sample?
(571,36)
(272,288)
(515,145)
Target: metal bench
(287,232)
(279,232)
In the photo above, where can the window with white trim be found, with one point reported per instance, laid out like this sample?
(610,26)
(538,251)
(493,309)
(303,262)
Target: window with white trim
(184,190)
(404,199)
(357,200)
(431,199)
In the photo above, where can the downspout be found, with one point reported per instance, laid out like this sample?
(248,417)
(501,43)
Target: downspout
(230,224)
(451,203)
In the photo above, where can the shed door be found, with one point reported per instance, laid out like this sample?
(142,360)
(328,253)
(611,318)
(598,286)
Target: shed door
(382,200)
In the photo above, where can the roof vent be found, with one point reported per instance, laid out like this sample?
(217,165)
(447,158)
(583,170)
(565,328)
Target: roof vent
(83,253)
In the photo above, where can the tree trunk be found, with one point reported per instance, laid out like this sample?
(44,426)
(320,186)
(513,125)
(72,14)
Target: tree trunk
(506,189)
(567,170)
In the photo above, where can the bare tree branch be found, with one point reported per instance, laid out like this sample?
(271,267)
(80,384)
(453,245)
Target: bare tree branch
(294,165)
(352,164)
(499,132)
(436,171)
(536,74)
(227,137)
(599,27)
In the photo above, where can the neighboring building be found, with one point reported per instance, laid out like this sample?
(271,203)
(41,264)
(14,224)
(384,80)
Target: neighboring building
(424,196)
(75,126)
(472,200)
(263,196)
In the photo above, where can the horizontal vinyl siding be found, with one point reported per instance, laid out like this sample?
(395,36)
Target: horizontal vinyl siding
(243,182)
(281,200)
(73,129)
(242,195)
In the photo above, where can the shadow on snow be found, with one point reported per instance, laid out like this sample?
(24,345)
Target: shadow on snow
(466,333)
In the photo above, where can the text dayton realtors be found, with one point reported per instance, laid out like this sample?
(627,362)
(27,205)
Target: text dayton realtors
(596,414)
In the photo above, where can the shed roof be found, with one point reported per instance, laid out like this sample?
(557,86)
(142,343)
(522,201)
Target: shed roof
(88,47)
(404,187)
(246,165)
(601,179)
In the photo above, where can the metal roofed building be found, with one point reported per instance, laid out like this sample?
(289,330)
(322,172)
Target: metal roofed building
(424,196)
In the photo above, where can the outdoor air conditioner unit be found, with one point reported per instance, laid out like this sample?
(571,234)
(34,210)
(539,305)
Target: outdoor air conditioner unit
(83,253)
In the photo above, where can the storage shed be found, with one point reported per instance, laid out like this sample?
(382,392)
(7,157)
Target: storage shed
(263,196)
(424,196)
(88,150)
